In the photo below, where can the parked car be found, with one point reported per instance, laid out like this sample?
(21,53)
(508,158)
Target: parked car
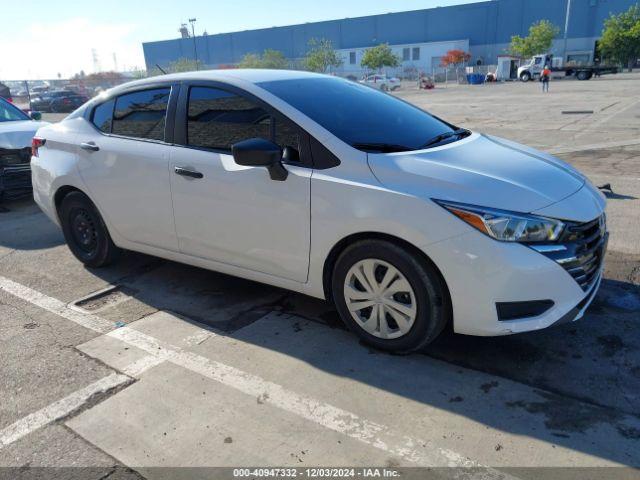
(382,82)
(16,132)
(67,103)
(39,90)
(326,187)
(5,92)
(58,101)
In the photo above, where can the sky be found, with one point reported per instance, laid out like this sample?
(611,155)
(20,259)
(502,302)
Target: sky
(44,38)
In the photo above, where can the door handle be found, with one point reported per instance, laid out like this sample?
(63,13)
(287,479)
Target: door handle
(185,172)
(89,146)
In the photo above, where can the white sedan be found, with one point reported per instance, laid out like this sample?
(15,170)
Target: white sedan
(326,187)
(382,82)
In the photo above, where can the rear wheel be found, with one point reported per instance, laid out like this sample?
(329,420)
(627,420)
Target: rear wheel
(388,297)
(85,231)
(583,75)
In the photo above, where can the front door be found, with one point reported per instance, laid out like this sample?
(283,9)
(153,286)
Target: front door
(234,214)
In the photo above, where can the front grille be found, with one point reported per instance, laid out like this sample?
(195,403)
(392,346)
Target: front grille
(581,250)
(16,156)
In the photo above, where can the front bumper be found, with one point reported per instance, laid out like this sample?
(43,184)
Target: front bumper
(482,273)
(15,181)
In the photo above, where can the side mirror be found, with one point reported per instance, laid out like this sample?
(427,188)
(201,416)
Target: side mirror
(257,152)
(35,115)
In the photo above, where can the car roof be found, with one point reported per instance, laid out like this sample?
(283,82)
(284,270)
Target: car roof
(230,75)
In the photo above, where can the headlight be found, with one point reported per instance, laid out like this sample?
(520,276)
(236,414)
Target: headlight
(507,226)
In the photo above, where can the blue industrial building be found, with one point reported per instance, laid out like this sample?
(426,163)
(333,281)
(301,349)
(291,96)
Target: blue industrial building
(419,37)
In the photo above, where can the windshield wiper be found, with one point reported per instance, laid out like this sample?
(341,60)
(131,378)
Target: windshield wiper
(460,133)
(381,147)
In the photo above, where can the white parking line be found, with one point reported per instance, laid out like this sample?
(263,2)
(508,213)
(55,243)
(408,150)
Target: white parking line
(53,305)
(414,450)
(59,409)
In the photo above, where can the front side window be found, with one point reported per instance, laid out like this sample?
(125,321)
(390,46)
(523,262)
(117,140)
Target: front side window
(102,116)
(141,114)
(362,117)
(217,119)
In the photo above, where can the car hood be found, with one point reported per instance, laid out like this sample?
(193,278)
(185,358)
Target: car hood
(18,134)
(480,170)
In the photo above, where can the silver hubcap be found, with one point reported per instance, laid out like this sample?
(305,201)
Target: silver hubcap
(380,298)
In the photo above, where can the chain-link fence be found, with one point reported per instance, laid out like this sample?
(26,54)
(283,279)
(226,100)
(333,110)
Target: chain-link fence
(26,93)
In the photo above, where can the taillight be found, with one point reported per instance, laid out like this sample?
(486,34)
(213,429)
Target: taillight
(36,143)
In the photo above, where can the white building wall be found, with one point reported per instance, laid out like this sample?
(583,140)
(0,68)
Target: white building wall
(423,57)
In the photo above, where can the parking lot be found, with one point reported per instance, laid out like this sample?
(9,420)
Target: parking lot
(150,363)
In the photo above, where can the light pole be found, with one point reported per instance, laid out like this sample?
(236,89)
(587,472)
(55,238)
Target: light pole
(192,21)
(566,30)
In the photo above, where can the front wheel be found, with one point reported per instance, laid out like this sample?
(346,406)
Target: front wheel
(525,76)
(85,231)
(388,297)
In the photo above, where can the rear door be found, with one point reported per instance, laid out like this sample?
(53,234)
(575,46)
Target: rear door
(124,161)
(235,214)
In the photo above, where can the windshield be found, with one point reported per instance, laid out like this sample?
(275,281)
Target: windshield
(359,115)
(9,113)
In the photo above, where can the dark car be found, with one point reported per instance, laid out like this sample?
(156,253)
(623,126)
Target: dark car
(67,104)
(57,101)
(5,92)
(16,132)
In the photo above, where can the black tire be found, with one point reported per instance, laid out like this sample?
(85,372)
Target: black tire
(525,76)
(583,75)
(85,231)
(430,291)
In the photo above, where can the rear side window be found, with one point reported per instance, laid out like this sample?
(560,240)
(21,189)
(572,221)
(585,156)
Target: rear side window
(141,114)
(102,116)
(217,119)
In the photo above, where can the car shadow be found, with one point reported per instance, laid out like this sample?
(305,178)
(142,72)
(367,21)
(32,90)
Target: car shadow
(24,227)
(584,375)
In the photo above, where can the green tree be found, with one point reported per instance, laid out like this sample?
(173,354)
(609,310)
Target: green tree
(378,57)
(183,65)
(321,56)
(250,60)
(620,40)
(268,59)
(539,40)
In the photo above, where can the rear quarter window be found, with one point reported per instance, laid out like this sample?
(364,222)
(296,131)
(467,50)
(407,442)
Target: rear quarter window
(102,116)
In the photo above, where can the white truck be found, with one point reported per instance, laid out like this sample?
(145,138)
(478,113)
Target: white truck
(533,68)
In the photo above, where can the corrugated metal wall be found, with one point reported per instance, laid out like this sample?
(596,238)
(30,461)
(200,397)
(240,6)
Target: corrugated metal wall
(487,25)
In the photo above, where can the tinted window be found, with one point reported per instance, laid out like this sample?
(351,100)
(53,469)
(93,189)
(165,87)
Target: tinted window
(217,119)
(102,116)
(358,114)
(406,54)
(416,53)
(142,114)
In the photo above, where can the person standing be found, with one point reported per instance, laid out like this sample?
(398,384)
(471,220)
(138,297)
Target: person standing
(545,77)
